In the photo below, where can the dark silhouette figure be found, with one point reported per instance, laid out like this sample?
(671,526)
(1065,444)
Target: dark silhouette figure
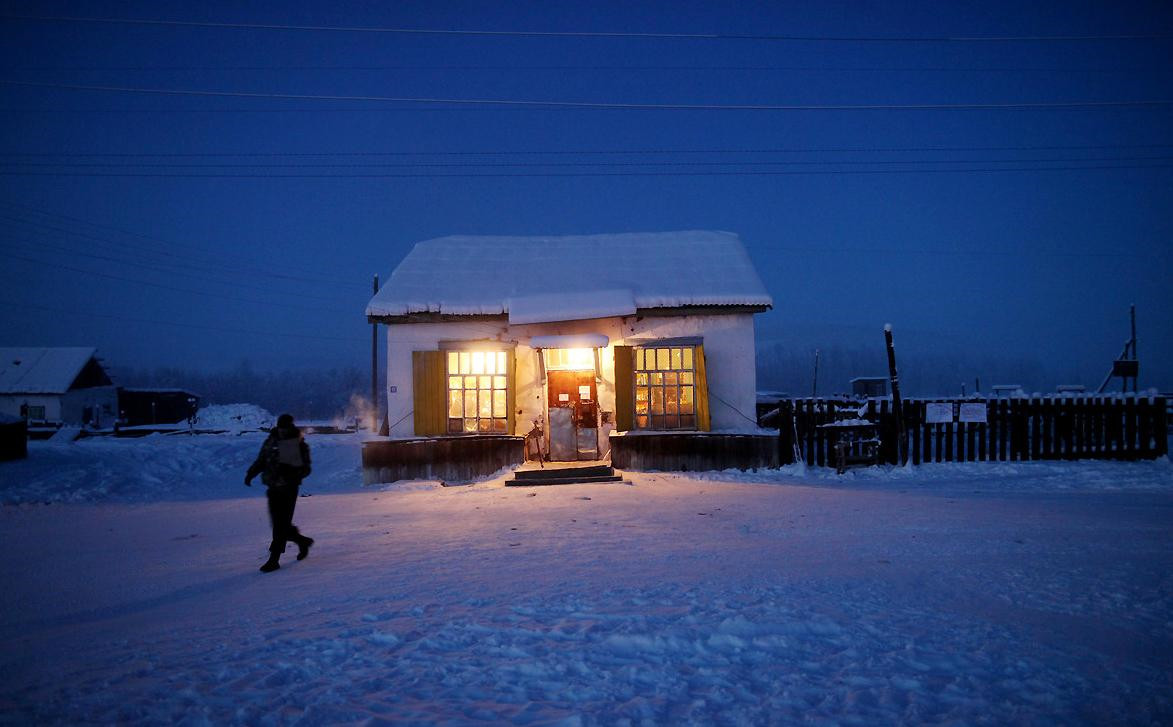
(282,463)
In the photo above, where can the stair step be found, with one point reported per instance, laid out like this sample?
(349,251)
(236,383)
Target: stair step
(535,481)
(564,472)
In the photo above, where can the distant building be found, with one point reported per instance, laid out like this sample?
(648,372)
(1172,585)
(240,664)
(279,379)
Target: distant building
(56,386)
(1007,390)
(137,407)
(869,386)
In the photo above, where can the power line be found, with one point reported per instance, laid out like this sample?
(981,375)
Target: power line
(217,265)
(481,165)
(531,103)
(472,175)
(590,34)
(584,152)
(168,288)
(219,329)
(626,68)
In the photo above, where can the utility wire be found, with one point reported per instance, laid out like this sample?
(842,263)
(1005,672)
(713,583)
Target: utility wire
(214,266)
(590,34)
(630,68)
(169,269)
(170,288)
(269,272)
(500,175)
(219,329)
(481,165)
(584,152)
(530,103)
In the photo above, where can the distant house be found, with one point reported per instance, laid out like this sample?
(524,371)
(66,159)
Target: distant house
(869,386)
(56,386)
(588,336)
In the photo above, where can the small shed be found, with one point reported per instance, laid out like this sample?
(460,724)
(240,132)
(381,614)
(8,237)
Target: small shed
(56,386)
(137,407)
(869,387)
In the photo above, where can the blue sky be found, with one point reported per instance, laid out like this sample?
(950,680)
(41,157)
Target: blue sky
(158,227)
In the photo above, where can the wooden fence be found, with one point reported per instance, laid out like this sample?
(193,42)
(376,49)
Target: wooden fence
(1125,427)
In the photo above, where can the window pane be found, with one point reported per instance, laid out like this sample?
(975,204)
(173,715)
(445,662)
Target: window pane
(455,404)
(455,425)
(687,358)
(486,407)
(670,378)
(670,400)
(686,400)
(455,382)
(641,379)
(662,359)
(498,382)
(499,426)
(478,362)
(657,400)
(686,377)
(470,382)
(498,403)
(641,422)
(641,400)
(688,422)
(657,422)
(657,379)
(490,363)
(470,402)
(501,362)
(486,425)
(470,425)
(465,362)
(485,382)
(453,362)
(676,358)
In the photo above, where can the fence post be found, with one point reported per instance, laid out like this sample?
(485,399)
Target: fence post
(785,432)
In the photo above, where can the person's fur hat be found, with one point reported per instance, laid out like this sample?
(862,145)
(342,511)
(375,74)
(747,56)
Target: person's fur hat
(285,421)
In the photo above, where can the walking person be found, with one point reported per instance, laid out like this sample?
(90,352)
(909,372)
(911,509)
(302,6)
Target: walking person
(283,462)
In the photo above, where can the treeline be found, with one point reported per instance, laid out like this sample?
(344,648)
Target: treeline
(308,393)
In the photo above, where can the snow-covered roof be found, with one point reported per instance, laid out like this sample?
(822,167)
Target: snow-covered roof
(26,370)
(574,277)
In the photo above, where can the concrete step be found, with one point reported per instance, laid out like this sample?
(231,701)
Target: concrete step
(601,470)
(560,480)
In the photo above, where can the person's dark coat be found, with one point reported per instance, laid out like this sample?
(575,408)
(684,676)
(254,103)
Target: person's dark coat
(284,459)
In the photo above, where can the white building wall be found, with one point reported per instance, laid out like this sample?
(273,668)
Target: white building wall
(729,356)
(10,404)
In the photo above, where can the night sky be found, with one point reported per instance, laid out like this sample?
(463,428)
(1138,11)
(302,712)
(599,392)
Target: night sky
(1016,211)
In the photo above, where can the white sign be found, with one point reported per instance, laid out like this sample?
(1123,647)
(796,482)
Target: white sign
(564,397)
(584,393)
(973,413)
(936,413)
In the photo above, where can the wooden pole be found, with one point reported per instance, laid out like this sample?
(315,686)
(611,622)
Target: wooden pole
(897,406)
(1132,320)
(815,380)
(375,369)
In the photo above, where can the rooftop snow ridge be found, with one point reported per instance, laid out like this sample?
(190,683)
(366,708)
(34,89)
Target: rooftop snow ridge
(538,279)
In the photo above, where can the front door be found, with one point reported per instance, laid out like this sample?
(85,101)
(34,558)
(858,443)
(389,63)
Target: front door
(574,416)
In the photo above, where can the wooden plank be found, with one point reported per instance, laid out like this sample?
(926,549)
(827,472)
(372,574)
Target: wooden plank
(1035,411)
(913,421)
(948,442)
(1161,427)
(1130,428)
(1144,413)
(785,432)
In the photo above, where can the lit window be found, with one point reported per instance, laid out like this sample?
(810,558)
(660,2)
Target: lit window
(477,385)
(665,388)
(570,359)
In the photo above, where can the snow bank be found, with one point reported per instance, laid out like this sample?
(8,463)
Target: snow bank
(234,417)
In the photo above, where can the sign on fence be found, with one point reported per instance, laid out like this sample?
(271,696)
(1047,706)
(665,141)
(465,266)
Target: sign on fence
(973,413)
(938,413)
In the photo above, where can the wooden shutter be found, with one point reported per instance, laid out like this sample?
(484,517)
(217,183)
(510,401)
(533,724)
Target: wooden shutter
(624,394)
(702,390)
(510,391)
(429,392)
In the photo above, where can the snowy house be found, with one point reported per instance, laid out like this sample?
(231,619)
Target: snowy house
(588,337)
(56,386)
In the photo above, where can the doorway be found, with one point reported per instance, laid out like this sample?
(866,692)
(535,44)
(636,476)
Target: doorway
(574,415)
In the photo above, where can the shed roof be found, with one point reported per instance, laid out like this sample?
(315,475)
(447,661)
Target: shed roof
(537,279)
(28,370)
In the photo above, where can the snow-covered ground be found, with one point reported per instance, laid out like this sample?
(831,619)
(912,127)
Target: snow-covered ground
(968,594)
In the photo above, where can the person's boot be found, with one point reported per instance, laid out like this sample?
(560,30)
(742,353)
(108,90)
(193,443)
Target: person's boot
(303,547)
(271,564)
